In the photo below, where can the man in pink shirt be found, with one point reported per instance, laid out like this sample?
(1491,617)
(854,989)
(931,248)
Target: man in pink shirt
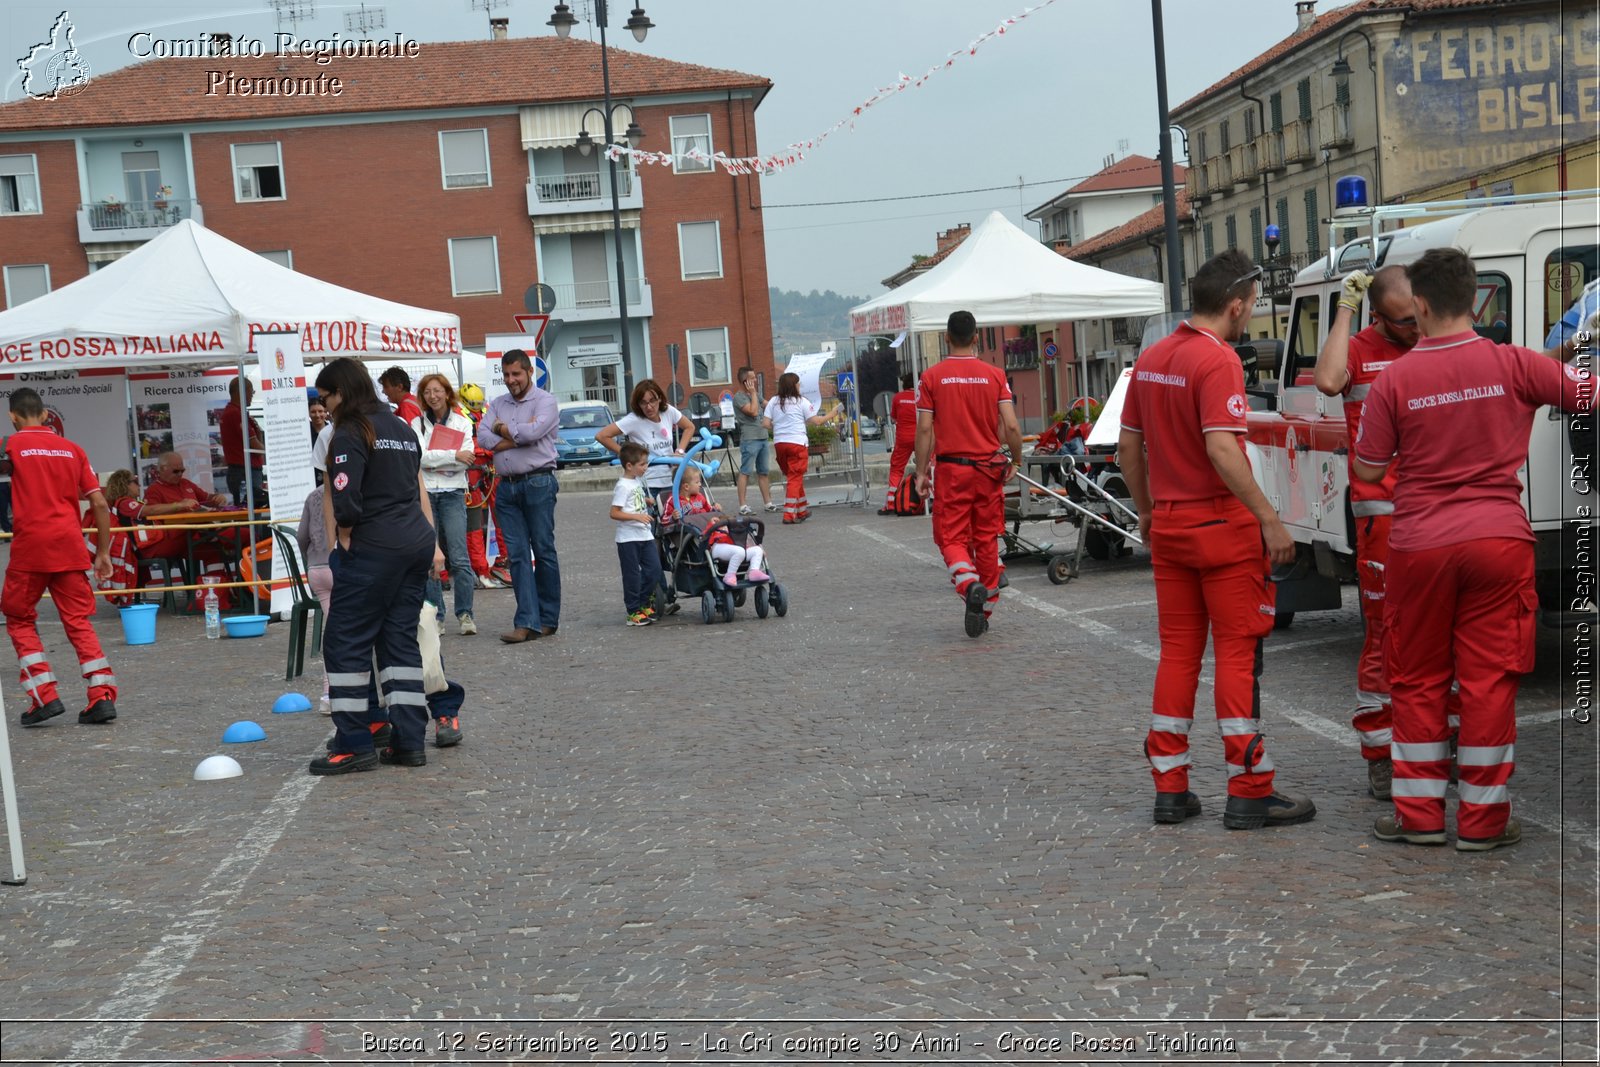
(1453,419)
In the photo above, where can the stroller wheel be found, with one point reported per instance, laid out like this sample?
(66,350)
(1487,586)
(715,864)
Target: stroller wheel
(761,602)
(780,600)
(708,609)
(727,605)
(738,598)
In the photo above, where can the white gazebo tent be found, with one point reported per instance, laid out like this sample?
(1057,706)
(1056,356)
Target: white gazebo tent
(192,296)
(1005,277)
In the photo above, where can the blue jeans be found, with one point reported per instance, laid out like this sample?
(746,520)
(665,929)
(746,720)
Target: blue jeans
(641,572)
(753,457)
(450,520)
(525,513)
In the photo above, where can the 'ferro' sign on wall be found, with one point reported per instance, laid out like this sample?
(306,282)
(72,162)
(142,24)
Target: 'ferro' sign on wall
(1478,93)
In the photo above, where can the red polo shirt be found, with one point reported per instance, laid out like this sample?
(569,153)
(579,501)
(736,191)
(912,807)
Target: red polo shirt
(160,492)
(964,394)
(49,476)
(1370,354)
(1184,386)
(1453,418)
(232,446)
(408,409)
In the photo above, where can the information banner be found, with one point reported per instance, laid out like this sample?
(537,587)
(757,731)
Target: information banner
(87,407)
(181,411)
(808,367)
(286,422)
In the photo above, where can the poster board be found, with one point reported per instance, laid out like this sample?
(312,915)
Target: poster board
(186,407)
(286,426)
(1108,427)
(807,367)
(88,407)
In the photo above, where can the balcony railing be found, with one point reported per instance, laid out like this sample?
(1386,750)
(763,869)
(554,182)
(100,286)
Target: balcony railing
(570,187)
(1242,161)
(1297,142)
(1199,179)
(1269,150)
(595,295)
(1336,126)
(138,214)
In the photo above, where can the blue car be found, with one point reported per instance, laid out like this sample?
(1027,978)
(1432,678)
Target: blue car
(580,421)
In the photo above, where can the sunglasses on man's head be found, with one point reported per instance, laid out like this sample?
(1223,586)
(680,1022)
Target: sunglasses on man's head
(1254,275)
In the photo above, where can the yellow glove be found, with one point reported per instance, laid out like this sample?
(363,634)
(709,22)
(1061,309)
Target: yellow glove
(1354,286)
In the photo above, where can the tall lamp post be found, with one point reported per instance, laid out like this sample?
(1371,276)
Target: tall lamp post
(562,20)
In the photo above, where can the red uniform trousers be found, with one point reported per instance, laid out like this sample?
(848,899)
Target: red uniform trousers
(19,602)
(1465,611)
(969,518)
(903,445)
(1373,714)
(793,460)
(1211,575)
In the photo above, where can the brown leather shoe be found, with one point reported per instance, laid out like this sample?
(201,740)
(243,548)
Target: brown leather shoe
(547,631)
(519,635)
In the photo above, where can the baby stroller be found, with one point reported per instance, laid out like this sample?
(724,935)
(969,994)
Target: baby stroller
(690,571)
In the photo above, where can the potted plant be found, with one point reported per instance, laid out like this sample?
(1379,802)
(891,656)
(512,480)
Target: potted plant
(821,438)
(113,205)
(163,194)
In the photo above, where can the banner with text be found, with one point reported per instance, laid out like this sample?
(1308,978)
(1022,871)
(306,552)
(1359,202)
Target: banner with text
(181,411)
(88,407)
(286,423)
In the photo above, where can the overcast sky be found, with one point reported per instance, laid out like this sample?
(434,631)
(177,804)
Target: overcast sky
(1045,104)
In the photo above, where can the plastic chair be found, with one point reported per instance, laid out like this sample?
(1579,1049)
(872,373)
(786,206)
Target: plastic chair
(305,604)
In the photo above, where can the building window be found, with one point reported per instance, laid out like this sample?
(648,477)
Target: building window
(464,158)
(1256,247)
(141,176)
(1230,228)
(1313,224)
(1275,111)
(1283,226)
(690,132)
(474,266)
(19,185)
(708,356)
(257,171)
(26,281)
(1303,89)
(1249,126)
(1208,235)
(1201,155)
(700,249)
(282,257)
(1227,141)
(1341,92)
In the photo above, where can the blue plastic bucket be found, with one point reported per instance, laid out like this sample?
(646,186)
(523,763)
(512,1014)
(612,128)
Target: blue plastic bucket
(139,624)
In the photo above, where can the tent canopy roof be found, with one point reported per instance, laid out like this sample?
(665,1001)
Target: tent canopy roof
(1004,277)
(192,296)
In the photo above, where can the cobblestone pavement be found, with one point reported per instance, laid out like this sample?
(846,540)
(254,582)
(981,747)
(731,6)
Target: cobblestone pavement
(850,834)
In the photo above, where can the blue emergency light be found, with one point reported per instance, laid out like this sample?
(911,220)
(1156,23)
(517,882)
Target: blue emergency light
(1350,192)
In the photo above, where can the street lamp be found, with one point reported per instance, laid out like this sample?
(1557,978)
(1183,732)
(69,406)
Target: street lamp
(562,20)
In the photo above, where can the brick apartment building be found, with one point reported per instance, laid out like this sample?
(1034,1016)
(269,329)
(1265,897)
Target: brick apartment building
(447,179)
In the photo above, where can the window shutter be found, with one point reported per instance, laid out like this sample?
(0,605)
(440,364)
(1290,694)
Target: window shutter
(1313,224)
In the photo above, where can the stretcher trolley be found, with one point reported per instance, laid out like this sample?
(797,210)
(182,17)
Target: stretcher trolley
(1086,491)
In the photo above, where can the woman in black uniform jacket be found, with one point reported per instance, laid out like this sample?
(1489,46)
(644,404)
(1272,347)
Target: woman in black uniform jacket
(384,548)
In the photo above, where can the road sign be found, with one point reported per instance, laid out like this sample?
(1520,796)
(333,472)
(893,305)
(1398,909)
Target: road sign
(1050,350)
(541,373)
(539,299)
(533,324)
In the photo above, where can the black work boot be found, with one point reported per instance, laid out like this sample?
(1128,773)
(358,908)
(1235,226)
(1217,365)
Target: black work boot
(1252,813)
(1176,807)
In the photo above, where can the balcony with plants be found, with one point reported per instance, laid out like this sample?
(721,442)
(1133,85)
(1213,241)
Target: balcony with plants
(553,189)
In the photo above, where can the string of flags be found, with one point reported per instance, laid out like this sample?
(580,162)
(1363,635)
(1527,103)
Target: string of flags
(795,153)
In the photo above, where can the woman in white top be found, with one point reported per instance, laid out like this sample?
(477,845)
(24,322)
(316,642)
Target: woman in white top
(787,416)
(446,436)
(662,429)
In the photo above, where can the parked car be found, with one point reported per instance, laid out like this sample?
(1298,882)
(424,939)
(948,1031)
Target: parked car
(580,421)
(870,430)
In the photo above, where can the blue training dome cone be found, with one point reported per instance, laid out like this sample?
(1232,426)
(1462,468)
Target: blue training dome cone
(242,732)
(216,768)
(290,703)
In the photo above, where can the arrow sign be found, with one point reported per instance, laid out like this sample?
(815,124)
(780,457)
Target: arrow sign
(541,373)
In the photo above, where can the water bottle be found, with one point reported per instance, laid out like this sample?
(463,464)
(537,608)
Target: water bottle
(213,613)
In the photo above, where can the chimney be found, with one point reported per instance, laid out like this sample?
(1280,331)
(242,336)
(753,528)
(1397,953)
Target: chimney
(221,44)
(1305,13)
(498,29)
(953,236)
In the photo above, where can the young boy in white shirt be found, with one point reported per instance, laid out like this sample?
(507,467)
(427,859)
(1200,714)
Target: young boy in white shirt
(636,545)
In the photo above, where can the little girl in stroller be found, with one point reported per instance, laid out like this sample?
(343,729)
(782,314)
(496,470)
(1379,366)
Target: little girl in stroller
(733,543)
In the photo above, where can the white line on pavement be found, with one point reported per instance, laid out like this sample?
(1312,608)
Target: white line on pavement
(149,982)
(1312,642)
(1338,732)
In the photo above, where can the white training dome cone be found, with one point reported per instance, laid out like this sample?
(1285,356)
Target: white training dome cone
(216,768)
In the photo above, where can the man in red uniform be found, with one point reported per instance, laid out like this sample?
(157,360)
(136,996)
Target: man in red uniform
(1453,419)
(1200,511)
(963,408)
(170,493)
(396,386)
(903,410)
(1347,366)
(230,426)
(49,475)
